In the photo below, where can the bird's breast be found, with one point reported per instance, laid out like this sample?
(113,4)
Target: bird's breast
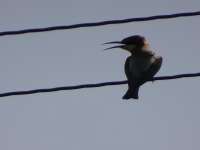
(138,65)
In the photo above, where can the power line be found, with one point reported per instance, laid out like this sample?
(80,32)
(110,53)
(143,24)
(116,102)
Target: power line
(92,85)
(101,23)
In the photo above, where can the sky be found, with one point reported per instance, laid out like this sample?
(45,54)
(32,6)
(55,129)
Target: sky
(166,116)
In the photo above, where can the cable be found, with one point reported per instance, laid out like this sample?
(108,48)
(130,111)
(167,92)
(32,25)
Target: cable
(92,85)
(93,24)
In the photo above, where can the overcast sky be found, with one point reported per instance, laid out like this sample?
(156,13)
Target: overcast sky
(165,117)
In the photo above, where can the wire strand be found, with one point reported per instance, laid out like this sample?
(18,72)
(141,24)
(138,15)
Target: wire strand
(102,23)
(92,85)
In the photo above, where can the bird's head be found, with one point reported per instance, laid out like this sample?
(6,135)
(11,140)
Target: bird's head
(133,44)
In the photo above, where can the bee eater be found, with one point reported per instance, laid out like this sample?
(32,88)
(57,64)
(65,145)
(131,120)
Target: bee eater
(140,66)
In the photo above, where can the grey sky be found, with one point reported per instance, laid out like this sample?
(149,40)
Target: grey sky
(167,113)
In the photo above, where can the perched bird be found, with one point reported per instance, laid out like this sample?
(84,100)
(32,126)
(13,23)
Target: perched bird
(140,66)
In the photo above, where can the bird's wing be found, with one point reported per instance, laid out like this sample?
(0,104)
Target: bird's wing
(154,68)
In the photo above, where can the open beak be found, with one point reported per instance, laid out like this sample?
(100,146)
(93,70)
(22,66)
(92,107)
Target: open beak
(114,42)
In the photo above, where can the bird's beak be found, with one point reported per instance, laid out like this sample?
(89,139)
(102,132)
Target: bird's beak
(114,42)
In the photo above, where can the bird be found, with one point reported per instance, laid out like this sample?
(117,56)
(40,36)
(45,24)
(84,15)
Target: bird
(142,64)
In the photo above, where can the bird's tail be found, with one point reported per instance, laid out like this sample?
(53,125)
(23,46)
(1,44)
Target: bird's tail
(132,93)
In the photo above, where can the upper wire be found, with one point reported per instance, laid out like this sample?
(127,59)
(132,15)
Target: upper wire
(100,23)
